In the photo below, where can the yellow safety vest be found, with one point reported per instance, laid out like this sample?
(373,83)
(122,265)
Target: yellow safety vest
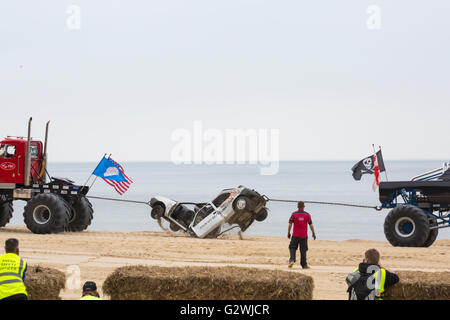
(381,282)
(12,268)
(89,297)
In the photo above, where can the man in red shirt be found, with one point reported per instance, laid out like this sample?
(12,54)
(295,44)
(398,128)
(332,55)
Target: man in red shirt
(300,219)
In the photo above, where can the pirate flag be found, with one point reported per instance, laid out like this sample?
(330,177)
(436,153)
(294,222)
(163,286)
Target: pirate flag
(367,165)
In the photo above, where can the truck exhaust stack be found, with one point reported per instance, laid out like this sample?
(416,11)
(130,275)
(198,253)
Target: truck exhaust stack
(28,156)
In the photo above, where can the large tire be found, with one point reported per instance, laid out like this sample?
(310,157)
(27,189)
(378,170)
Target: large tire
(431,237)
(46,213)
(406,226)
(82,215)
(6,211)
(433,232)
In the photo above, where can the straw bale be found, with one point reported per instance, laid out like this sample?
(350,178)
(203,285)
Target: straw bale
(415,285)
(206,283)
(44,283)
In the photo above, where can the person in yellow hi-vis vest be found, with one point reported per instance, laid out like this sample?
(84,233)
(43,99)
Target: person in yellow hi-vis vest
(90,291)
(12,273)
(370,279)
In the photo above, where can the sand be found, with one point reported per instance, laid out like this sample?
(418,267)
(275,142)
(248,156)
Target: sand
(98,253)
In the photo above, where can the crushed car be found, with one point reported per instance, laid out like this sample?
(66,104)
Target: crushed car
(237,207)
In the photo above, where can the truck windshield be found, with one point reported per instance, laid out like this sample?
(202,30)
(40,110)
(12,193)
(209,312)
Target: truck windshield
(34,152)
(7,151)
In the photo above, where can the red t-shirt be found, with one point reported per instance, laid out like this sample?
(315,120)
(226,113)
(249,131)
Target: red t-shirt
(300,219)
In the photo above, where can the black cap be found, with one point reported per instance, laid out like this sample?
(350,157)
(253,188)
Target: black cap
(89,286)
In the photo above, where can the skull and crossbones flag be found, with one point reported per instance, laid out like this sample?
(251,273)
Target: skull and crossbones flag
(368,166)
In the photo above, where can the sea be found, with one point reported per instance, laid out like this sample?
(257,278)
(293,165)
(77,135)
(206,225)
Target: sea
(325,181)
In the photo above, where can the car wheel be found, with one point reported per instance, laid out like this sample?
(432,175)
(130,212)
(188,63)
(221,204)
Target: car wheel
(157,211)
(261,215)
(174,227)
(241,204)
(214,234)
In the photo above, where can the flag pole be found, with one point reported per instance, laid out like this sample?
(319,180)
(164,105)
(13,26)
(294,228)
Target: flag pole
(374,186)
(95,179)
(385,171)
(374,153)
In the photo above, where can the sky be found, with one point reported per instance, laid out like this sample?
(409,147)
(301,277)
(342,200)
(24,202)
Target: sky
(135,72)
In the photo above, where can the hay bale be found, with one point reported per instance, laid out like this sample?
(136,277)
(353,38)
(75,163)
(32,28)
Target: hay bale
(44,283)
(415,285)
(206,283)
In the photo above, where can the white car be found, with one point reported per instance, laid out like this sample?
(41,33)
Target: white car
(236,206)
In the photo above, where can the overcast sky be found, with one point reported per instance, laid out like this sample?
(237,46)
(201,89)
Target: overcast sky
(136,71)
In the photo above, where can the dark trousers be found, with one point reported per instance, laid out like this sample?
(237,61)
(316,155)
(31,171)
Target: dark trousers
(295,243)
(19,296)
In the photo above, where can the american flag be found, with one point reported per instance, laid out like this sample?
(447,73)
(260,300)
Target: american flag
(120,187)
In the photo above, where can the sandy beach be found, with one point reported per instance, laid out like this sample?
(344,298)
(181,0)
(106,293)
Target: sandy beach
(98,253)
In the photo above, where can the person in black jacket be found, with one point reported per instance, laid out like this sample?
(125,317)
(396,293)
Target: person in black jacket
(370,279)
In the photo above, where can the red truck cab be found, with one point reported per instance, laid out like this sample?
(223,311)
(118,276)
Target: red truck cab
(12,160)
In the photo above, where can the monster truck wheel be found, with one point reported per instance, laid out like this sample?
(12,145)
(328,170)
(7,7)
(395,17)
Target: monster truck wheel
(406,226)
(433,233)
(82,215)
(431,238)
(261,215)
(241,204)
(157,211)
(6,210)
(46,213)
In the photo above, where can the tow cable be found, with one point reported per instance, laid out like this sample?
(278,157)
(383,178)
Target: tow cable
(378,208)
(120,200)
(159,221)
